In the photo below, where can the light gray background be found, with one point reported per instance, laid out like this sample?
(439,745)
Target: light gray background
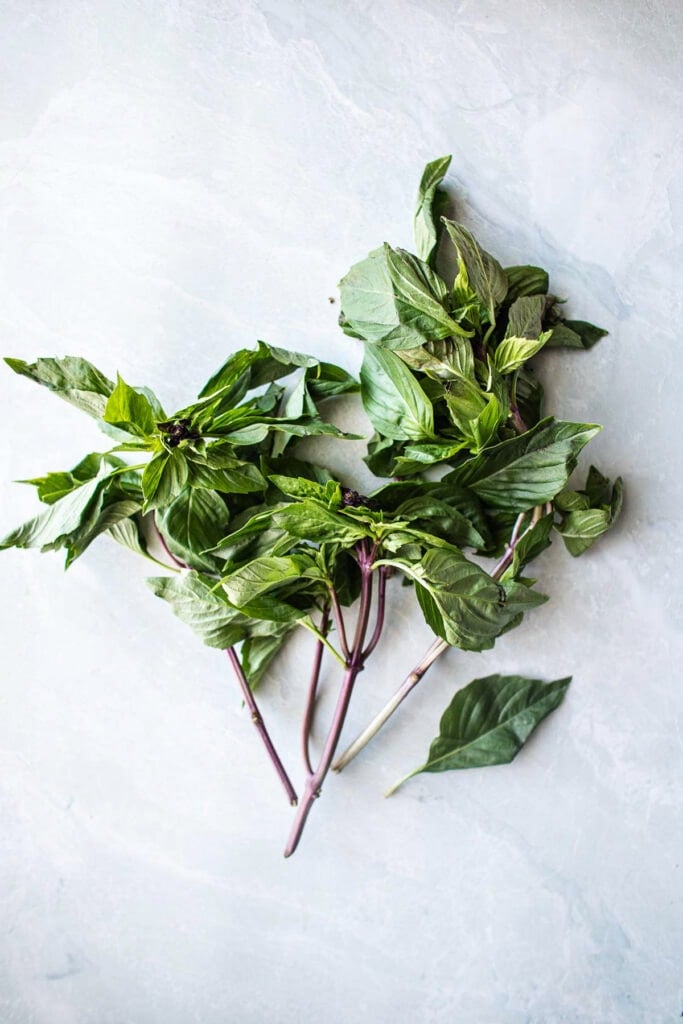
(179,179)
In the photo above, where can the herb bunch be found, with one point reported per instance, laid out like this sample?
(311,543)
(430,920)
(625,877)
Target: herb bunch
(260,541)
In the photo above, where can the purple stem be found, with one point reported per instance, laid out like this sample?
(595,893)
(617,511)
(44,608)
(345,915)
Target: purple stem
(258,722)
(381,602)
(339,622)
(354,666)
(246,691)
(312,691)
(162,541)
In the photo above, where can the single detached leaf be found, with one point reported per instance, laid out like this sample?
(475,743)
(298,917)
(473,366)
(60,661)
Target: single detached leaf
(75,380)
(393,399)
(489,721)
(485,274)
(426,222)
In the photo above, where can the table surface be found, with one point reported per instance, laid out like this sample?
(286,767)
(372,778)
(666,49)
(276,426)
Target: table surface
(177,180)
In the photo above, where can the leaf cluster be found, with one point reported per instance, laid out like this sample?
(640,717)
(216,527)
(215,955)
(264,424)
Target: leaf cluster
(262,540)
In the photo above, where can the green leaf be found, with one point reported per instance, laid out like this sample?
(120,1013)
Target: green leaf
(588,513)
(130,410)
(218,469)
(310,521)
(261,365)
(529,396)
(419,296)
(393,399)
(300,487)
(575,334)
(129,533)
(203,607)
(75,380)
(265,574)
(426,224)
(462,603)
(489,721)
(395,299)
(527,470)
(195,521)
(164,478)
(512,353)
(447,359)
(73,521)
(581,529)
(53,486)
(526,281)
(54,527)
(485,274)
(258,652)
(525,317)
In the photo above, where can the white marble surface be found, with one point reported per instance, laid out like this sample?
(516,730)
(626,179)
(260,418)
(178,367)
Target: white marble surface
(179,178)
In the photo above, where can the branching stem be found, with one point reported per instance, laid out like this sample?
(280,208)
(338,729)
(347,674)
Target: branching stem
(435,651)
(354,665)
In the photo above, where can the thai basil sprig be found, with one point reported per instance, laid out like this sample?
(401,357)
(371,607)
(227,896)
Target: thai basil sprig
(446,383)
(263,541)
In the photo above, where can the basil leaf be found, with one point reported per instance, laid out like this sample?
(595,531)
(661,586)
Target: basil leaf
(512,353)
(529,396)
(395,299)
(575,334)
(444,360)
(265,574)
(527,470)
(59,523)
(419,296)
(258,652)
(195,521)
(525,317)
(164,478)
(203,607)
(485,274)
(461,602)
(75,380)
(300,487)
(311,522)
(53,486)
(217,469)
(426,224)
(393,399)
(526,281)
(590,513)
(130,410)
(262,365)
(490,720)
(129,533)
